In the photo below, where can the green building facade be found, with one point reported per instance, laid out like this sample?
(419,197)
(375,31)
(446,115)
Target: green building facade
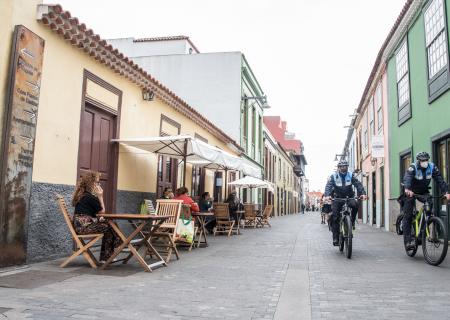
(419,95)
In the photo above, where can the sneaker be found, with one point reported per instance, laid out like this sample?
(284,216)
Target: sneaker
(410,246)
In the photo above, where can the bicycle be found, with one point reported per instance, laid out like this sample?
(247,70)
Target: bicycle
(429,231)
(345,227)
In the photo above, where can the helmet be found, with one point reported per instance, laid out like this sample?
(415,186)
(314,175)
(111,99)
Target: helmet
(423,156)
(342,163)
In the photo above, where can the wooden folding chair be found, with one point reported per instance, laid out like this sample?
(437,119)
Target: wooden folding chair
(263,220)
(82,247)
(249,215)
(223,222)
(164,240)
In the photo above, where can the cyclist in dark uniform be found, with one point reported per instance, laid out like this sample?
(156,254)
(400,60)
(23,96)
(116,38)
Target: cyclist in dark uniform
(341,184)
(416,181)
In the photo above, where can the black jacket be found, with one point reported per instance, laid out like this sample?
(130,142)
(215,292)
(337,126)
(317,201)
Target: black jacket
(345,190)
(419,182)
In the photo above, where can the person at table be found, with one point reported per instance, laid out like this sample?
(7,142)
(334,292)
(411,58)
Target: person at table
(234,205)
(205,202)
(183,194)
(205,205)
(167,193)
(88,202)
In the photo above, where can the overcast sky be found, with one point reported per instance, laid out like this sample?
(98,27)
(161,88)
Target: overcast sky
(312,58)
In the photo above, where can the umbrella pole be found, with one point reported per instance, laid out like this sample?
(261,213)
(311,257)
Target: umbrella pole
(184,164)
(226,183)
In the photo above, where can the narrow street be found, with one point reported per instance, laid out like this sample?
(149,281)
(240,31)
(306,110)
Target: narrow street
(290,271)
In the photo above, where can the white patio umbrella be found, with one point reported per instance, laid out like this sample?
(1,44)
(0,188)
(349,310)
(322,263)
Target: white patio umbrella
(250,182)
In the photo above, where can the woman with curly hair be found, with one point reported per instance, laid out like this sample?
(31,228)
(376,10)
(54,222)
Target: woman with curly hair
(88,202)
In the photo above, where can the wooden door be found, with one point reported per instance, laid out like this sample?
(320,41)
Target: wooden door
(443,164)
(98,127)
(167,174)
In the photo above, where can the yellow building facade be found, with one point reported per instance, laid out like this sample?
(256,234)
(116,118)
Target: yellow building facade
(90,93)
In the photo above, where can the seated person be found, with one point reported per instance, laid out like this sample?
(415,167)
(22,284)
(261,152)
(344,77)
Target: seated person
(88,202)
(234,205)
(205,205)
(167,193)
(205,202)
(183,194)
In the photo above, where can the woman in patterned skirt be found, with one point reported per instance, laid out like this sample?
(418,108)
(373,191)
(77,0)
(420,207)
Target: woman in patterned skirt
(88,202)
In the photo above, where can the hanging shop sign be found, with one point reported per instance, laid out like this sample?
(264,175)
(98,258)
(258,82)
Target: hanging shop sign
(18,143)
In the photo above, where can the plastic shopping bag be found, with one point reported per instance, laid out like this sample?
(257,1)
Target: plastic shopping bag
(185,230)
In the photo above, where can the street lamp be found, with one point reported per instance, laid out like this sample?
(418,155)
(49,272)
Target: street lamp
(262,99)
(148,95)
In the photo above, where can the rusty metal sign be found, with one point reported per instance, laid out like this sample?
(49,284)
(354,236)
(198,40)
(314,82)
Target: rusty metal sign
(18,144)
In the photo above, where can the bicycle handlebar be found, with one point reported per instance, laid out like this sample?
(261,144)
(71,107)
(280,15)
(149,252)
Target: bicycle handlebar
(345,199)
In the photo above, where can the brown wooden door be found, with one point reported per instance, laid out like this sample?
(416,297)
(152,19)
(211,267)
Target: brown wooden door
(98,127)
(167,174)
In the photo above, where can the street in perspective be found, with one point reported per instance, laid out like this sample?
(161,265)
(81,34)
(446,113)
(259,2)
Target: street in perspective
(210,159)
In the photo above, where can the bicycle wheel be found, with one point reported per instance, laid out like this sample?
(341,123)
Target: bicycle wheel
(434,241)
(348,236)
(341,237)
(398,225)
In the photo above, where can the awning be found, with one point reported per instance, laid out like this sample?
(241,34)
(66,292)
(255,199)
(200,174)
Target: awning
(182,147)
(194,151)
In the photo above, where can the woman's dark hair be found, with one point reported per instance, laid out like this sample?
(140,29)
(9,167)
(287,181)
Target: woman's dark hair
(204,195)
(167,189)
(182,190)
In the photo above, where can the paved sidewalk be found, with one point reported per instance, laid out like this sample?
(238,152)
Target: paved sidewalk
(290,271)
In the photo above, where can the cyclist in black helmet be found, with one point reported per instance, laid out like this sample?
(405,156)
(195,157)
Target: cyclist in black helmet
(417,180)
(341,185)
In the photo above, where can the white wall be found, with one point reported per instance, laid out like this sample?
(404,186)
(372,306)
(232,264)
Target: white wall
(209,82)
(139,49)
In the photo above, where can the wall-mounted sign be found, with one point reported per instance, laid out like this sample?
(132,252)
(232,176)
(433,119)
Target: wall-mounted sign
(18,143)
(377,146)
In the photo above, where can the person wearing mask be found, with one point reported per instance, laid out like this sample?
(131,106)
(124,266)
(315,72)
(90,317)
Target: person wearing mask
(416,182)
(340,184)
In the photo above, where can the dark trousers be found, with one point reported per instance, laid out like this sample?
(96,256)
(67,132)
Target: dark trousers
(336,207)
(408,208)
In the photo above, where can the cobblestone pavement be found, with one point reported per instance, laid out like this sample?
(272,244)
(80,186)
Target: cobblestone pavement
(243,277)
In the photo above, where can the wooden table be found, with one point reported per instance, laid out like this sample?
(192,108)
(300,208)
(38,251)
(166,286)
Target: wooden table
(152,222)
(239,214)
(201,218)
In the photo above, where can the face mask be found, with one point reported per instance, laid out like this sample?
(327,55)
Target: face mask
(343,170)
(424,164)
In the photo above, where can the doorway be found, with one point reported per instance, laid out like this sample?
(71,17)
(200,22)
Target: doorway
(218,181)
(382,197)
(167,174)
(95,151)
(374,198)
(442,156)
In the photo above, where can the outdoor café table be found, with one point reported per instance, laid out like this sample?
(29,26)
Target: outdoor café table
(201,218)
(239,214)
(150,222)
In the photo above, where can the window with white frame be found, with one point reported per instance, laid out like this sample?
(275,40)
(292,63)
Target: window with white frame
(379,95)
(437,47)
(371,117)
(365,140)
(402,68)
